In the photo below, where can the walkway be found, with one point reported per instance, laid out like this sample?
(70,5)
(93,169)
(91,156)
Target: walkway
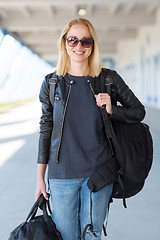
(18,153)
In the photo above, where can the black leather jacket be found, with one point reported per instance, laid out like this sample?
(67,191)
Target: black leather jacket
(51,125)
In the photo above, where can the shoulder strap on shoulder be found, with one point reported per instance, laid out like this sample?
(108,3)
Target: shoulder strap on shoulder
(52,86)
(106,81)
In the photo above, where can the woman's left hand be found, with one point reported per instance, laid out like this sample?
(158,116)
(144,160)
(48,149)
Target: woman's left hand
(104,99)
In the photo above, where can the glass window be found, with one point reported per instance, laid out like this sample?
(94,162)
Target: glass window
(22,71)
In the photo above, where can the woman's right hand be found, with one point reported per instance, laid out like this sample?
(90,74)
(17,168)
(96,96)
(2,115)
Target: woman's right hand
(41,188)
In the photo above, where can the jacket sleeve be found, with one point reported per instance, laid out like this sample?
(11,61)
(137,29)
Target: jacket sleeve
(46,123)
(130,109)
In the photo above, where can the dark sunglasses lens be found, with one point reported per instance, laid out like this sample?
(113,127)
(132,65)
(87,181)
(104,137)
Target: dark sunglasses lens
(72,42)
(87,43)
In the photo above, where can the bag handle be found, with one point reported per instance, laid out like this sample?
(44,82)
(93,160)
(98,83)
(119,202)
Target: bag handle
(41,201)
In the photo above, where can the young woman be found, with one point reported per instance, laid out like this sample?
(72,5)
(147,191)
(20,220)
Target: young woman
(72,138)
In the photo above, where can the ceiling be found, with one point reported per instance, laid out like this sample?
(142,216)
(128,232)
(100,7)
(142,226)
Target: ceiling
(38,23)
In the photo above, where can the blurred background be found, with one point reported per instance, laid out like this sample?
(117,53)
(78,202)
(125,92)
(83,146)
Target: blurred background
(129,37)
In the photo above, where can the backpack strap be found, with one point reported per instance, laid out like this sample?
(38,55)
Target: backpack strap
(108,125)
(52,86)
(89,226)
(52,83)
(106,220)
(107,81)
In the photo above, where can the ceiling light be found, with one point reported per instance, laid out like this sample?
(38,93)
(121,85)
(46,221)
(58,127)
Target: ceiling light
(82,12)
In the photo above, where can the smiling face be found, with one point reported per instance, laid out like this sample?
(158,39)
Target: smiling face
(78,53)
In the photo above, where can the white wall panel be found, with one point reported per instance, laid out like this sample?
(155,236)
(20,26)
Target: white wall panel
(138,61)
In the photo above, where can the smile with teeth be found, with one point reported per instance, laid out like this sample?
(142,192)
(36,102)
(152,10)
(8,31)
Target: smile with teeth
(78,52)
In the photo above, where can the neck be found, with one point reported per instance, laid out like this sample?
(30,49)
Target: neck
(78,69)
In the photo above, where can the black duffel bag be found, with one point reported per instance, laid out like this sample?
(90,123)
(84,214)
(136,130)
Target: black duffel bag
(35,227)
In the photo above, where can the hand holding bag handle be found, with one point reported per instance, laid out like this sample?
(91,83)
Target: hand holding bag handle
(34,209)
(40,203)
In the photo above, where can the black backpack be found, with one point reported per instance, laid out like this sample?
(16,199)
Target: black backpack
(132,149)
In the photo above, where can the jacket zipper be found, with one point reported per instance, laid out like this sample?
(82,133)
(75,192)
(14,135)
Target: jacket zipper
(63,121)
(89,82)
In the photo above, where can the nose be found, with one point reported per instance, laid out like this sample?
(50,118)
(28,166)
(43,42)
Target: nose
(79,45)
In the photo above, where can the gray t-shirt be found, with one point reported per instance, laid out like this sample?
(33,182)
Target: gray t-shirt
(84,145)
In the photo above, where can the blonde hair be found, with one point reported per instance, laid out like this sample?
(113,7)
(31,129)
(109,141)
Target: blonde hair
(63,58)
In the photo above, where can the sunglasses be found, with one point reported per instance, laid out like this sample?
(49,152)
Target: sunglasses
(85,42)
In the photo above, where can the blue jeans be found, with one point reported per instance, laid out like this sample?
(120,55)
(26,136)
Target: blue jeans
(70,201)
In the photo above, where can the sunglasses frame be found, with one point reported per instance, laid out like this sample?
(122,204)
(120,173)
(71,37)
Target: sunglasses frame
(90,42)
